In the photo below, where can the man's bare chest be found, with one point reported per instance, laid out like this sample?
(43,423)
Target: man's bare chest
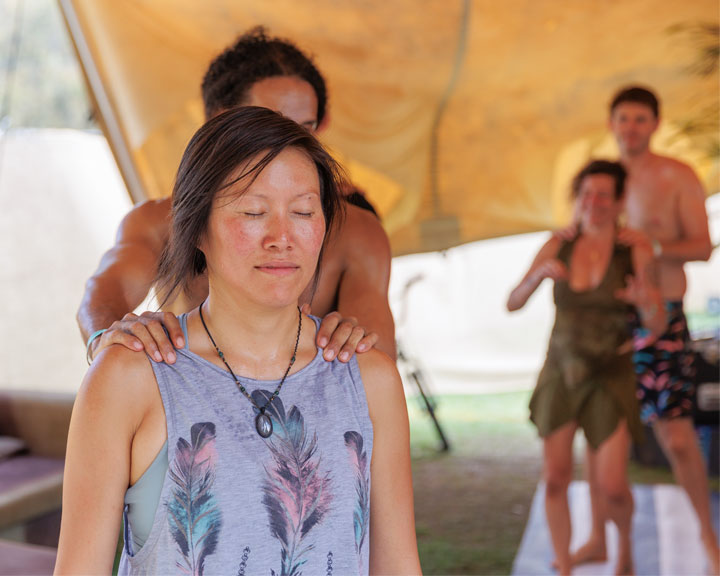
(652,207)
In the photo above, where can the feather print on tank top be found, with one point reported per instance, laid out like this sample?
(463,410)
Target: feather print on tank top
(296,493)
(361,514)
(193,515)
(285,504)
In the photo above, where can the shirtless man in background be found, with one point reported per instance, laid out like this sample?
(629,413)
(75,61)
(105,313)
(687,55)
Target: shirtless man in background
(260,71)
(665,208)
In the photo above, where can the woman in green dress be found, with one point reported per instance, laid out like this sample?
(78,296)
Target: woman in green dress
(588,380)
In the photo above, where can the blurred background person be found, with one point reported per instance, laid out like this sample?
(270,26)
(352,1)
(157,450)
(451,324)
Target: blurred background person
(587,381)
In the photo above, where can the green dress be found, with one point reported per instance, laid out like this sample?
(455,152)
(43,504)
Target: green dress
(584,378)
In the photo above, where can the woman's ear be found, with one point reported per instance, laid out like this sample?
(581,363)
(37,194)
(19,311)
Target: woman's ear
(199,262)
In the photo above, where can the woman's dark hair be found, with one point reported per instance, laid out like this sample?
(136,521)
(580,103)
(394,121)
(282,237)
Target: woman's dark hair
(249,136)
(614,169)
(256,56)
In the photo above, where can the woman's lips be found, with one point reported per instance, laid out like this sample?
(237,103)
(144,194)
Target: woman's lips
(278,268)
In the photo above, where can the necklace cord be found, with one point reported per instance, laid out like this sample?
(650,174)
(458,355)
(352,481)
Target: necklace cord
(242,389)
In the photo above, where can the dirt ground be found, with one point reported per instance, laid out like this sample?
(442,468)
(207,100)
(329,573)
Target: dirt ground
(471,512)
(472,503)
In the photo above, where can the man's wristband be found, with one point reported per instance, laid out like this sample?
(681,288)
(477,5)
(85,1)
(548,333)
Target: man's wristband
(90,340)
(648,312)
(657,248)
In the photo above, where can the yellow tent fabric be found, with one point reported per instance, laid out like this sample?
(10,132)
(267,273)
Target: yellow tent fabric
(461,119)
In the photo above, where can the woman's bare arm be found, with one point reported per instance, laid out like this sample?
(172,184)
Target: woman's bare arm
(545,265)
(109,408)
(393,544)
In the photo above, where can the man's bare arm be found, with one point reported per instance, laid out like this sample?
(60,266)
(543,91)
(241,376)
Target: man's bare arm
(363,292)
(123,280)
(695,243)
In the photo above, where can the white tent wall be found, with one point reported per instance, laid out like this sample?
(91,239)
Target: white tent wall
(457,326)
(61,200)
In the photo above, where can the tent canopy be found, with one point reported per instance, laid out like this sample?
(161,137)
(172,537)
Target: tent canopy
(461,119)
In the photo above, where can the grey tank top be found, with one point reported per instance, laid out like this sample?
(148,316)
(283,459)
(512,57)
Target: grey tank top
(232,502)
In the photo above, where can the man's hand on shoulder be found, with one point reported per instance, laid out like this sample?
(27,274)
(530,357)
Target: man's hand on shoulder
(145,332)
(342,337)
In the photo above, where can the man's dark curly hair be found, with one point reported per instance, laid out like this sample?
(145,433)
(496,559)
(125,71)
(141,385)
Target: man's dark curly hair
(254,57)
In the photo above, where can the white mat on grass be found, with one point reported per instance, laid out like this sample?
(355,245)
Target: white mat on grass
(666,534)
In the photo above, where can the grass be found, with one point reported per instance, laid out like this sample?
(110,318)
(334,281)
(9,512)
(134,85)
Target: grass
(470,420)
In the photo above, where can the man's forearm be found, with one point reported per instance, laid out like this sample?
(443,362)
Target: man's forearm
(99,308)
(386,338)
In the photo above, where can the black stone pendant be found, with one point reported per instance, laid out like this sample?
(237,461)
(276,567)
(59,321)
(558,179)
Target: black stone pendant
(263,425)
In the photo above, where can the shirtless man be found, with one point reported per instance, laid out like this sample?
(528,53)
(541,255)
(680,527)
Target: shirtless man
(261,71)
(665,207)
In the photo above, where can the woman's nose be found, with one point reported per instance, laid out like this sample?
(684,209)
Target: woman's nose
(278,233)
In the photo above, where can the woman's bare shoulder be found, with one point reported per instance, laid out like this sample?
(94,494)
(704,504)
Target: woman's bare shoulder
(117,361)
(380,378)
(120,378)
(376,364)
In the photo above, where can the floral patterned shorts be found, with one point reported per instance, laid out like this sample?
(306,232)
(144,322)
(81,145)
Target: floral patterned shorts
(665,369)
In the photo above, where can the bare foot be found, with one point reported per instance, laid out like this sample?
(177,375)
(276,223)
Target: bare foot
(712,551)
(562,570)
(624,566)
(590,552)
